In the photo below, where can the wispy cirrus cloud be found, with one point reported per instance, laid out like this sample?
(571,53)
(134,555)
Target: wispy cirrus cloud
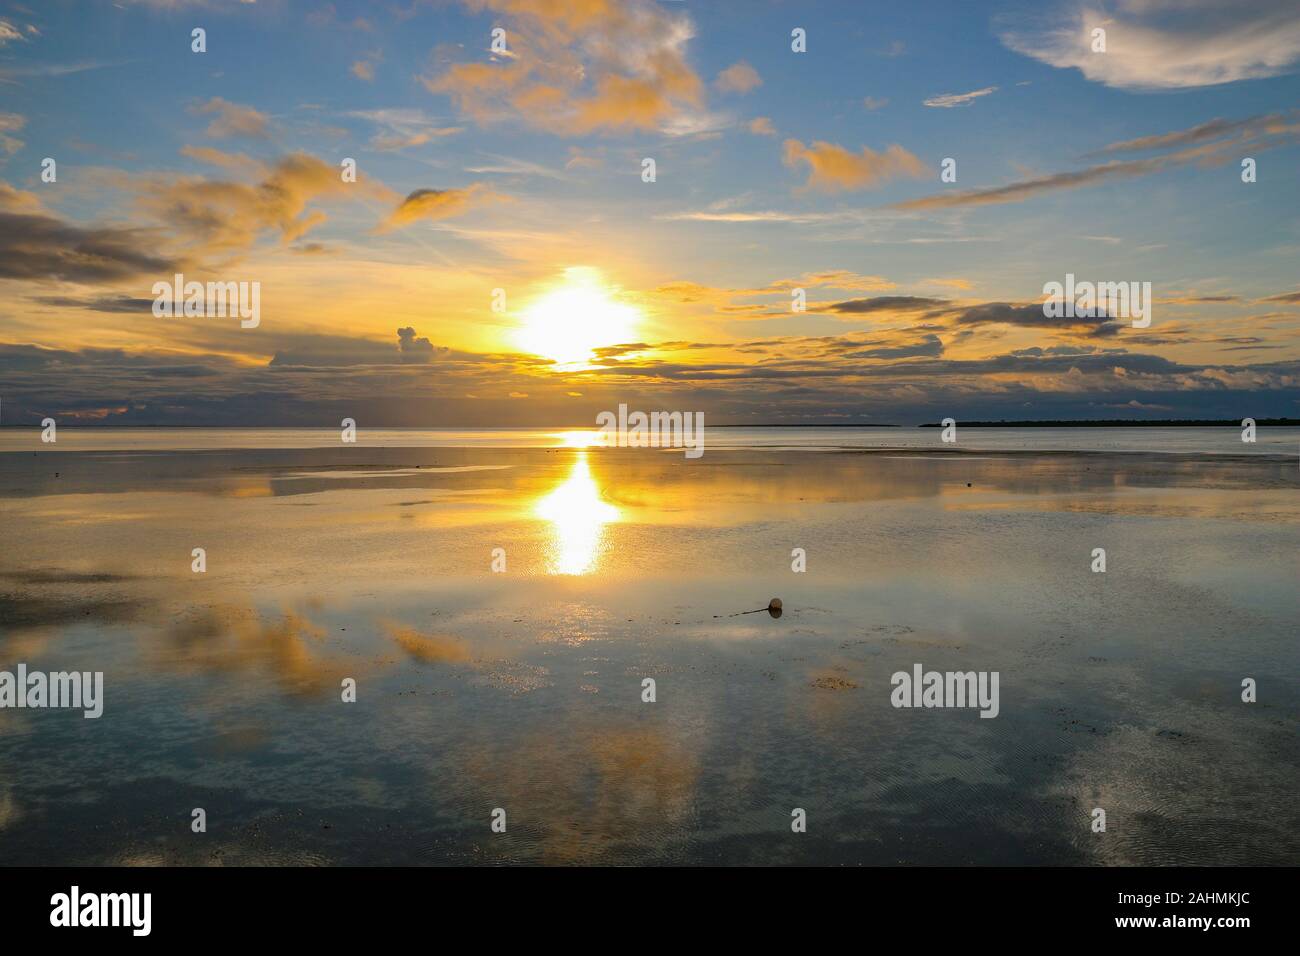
(1209,131)
(1209,144)
(399,128)
(8,71)
(949,100)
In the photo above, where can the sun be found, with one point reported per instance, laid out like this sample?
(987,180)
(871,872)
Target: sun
(574,318)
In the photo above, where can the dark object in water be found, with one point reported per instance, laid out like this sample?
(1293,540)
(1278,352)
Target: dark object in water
(773,608)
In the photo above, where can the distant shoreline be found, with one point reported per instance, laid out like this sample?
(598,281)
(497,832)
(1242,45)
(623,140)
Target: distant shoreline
(1111,423)
(1046,423)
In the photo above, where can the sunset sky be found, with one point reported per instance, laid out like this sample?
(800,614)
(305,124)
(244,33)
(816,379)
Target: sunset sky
(522,171)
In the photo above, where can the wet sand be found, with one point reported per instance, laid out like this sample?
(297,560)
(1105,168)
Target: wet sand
(522,689)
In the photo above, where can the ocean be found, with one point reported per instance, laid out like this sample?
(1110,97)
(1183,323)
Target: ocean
(498,600)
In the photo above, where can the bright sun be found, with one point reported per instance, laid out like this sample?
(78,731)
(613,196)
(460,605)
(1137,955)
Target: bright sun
(576,317)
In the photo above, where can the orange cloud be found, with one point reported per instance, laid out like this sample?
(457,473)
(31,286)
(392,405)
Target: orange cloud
(434,204)
(580,66)
(19,200)
(833,168)
(219,215)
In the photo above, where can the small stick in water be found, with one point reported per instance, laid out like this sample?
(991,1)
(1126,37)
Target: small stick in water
(773,608)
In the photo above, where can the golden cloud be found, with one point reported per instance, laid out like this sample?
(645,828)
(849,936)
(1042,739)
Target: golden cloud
(435,204)
(580,66)
(833,168)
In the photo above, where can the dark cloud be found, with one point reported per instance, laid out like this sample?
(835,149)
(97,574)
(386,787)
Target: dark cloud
(412,347)
(885,303)
(103,303)
(1028,188)
(43,247)
(930,346)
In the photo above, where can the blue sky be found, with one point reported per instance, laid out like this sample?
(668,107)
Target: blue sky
(774,170)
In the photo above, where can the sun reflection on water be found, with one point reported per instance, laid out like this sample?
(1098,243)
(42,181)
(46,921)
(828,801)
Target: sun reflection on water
(578,515)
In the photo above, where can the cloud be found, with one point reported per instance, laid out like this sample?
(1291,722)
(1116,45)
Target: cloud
(18,200)
(114,304)
(873,103)
(582,67)
(930,346)
(884,303)
(435,204)
(221,215)
(232,119)
(34,246)
(363,70)
(232,162)
(1198,299)
(764,215)
(512,166)
(1203,132)
(400,128)
(9,33)
(1169,44)
(833,168)
(738,78)
(949,100)
(11,123)
(1028,188)
(58,69)
(1031,316)
(578,159)
(761,126)
(1255,133)
(413,348)
(1286,298)
(892,374)
(386,143)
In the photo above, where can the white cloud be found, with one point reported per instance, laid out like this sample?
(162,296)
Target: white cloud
(949,100)
(1170,44)
(9,32)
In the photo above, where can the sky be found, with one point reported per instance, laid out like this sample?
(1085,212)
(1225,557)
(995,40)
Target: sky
(504,256)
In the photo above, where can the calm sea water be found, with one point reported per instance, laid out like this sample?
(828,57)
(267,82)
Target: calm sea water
(521,688)
(1212,441)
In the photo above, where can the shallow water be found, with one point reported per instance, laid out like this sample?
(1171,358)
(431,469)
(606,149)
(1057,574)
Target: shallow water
(522,689)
